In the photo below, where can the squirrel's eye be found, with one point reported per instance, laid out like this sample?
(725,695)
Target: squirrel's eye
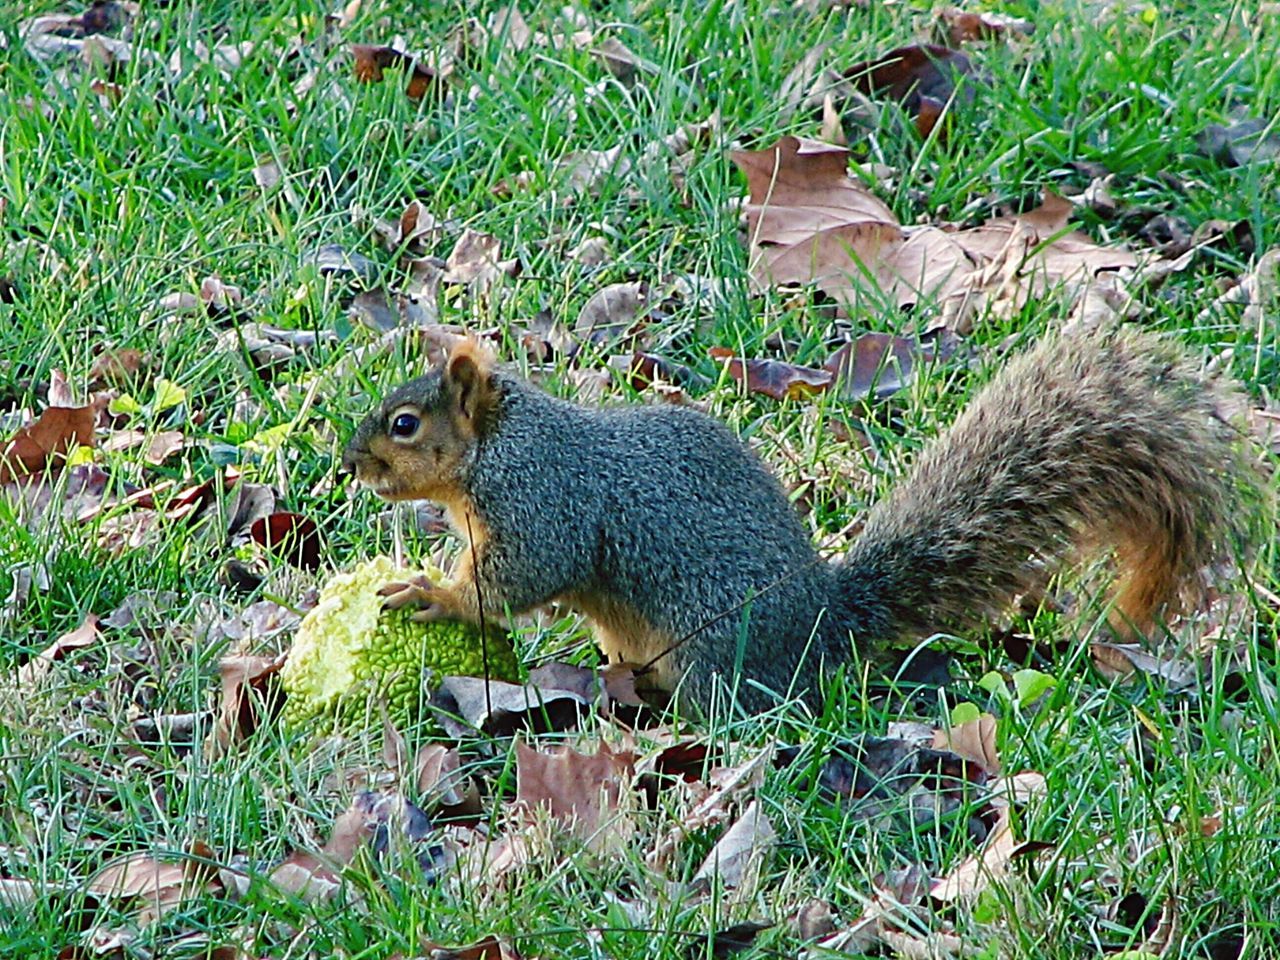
(404,425)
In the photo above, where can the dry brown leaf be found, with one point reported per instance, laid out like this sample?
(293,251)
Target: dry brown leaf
(38,667)
(440,781)
(371,62)
(815,919)
(585,171)
(247,682)
(974,741)
(490,948)
(962,26)
(117,368)
(18,896)
(508,23)
(592,252)
(799,187)
(1258,292)
(1020,788)
(774,378)
(922,77)
(381,310)
(464,705)
(976,872)
(482,862)
(1121,660)
(739,852)
(474,261)
(832,124)
(896,897)
(582,793)
(40,446)
(416,230)
(876,362)
(810,223)
(303,875)
(728,784)
(935,945)
(795,91)
(613,313)
(159,446)
(155,887)
(619,60)
(60,393)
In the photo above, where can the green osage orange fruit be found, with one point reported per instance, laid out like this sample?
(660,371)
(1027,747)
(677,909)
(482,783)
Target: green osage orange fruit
(351,658)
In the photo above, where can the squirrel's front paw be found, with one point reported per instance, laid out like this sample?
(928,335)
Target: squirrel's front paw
(433,602)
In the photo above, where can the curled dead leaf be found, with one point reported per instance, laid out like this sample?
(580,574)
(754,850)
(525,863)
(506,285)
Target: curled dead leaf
(774,378)
(370,63)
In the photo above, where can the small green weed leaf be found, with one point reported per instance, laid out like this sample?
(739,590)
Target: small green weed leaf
(993,682)
(273,438)
(965,712)
(124,406)
(1030,685)
(168,395)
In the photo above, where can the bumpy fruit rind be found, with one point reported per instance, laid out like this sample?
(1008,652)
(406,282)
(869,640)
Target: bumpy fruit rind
(351,657)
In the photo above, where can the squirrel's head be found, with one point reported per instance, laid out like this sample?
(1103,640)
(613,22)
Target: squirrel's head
(417,444)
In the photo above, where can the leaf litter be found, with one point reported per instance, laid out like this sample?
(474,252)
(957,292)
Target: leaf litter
(810,224)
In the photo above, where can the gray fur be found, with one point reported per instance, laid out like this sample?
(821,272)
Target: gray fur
(660,523)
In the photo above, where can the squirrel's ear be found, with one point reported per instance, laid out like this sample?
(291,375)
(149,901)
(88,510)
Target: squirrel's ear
(468,374)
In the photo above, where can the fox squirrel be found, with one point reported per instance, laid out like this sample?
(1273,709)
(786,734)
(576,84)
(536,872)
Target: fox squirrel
(667,532)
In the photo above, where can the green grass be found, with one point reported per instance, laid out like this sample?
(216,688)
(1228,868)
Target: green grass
(147,196)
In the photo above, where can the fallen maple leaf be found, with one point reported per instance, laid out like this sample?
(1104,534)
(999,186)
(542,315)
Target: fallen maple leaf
(810,223)
(974,741)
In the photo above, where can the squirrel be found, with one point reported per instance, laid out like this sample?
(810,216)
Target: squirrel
(667,532)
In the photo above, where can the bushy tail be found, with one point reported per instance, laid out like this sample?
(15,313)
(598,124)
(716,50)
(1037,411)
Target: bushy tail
(1099,440)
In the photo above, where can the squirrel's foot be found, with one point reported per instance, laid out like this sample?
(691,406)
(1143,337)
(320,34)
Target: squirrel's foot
(433,602)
